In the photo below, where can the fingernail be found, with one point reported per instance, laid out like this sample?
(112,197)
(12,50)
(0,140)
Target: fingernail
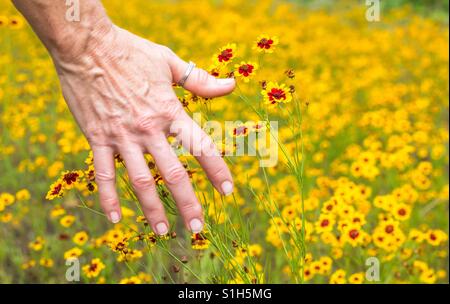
(227,188)
(114,216)
(225,81)
(161,229)
(196,225)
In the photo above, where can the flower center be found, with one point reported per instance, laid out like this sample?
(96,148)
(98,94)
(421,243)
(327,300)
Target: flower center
(353,234)
(276,94)
(226,55)
(389,229)
(265,43)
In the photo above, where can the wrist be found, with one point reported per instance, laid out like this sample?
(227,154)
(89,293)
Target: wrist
(73,42)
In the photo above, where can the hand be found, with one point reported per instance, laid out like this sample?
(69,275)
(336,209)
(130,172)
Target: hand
(119,89)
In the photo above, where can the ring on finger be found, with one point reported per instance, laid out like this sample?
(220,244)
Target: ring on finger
(188,72)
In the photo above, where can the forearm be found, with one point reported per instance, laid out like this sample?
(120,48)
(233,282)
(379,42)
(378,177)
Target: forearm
(61,36)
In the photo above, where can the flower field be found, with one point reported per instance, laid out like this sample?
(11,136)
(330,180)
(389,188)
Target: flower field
(362,152)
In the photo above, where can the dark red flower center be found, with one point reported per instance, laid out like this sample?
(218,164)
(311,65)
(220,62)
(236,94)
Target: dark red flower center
(353,234)
(265,43)
(57,189)
(276,95)
(324,223)
(225,55)
(389,229)
(93,267)
(70,178)
(402,212)
(246,69)
(242,130)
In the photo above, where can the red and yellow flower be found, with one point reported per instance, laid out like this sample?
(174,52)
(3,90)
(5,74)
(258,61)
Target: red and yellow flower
(246,70)
(265,43)
(275,93)
(225,55)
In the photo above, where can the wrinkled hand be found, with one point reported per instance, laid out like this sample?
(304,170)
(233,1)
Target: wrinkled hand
(120,92)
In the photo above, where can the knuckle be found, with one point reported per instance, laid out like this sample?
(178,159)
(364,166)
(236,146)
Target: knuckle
(118,131)
(176,175)
(141,182)
(202,76)
(153,209)
(94,135)
(170,109)
(104,176)
(220,172)
(109,203)
(146,124)
(190,207)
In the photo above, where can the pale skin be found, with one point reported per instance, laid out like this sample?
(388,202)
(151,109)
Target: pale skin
(118,87)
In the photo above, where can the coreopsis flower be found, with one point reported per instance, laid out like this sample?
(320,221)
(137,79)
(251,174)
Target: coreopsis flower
(73,253)
(37,244)
(435,237)
(199,241)
(254,250)
(402,212)
(6,217)
(129,255)
(338,277)
(93,269)
(265,43)
(307,273)
(246,70)
(275,93)
(54,169)
(290,73)
(57,211)
(16,22)
(80,238)
(325,223)
(416,235)
(144,277)
(89,159)
(353,234)
(131,280)
(71,178)
(23,195)
(56,190)
(356,278)
(258,126)
(3,21)
(67,221)
(428,276)
(46,262)
(240,130)
(7,199)
(91,187)
(29,264)
(225,55)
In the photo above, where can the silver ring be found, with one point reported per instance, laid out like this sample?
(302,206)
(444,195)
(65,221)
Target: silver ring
(188,72)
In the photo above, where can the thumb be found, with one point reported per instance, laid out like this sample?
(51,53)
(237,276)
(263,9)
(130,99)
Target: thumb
(200,82)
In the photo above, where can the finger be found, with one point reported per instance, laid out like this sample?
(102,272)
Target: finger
(200,145)
(200,82)
(177,180)
(145,189)
(105,178)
